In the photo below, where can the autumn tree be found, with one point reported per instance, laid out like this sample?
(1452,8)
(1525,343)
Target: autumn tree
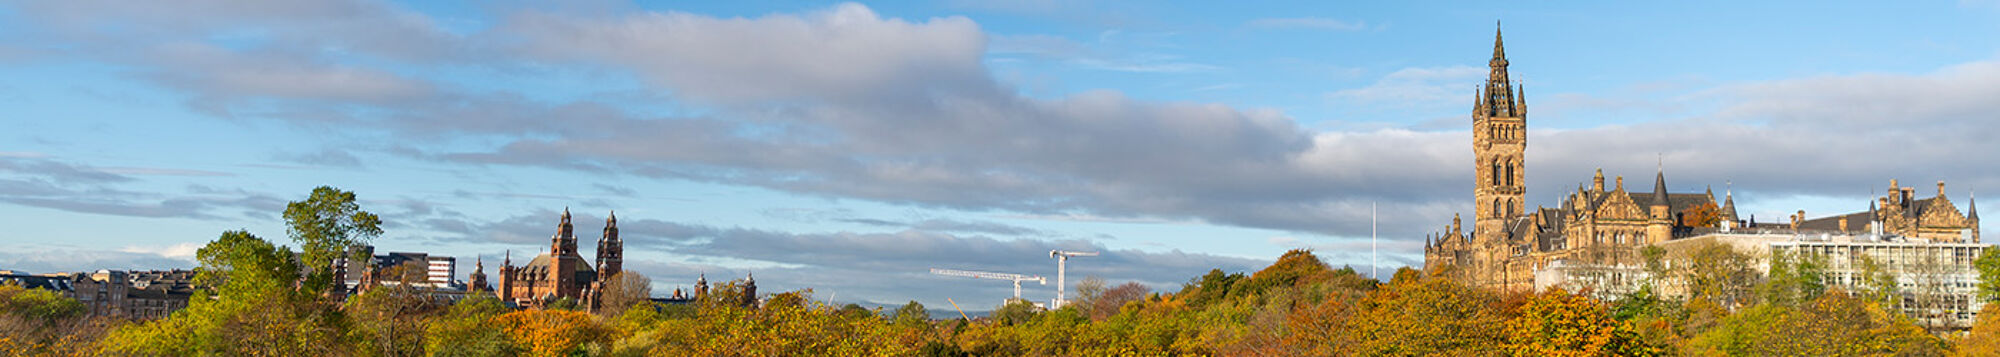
(1557,323)
(468,329)
(1832,324)
(1720,274)
(389,315)
(1701,215)
(623,291)
(552,332)
(1424,316)
(1110,300)
(325,225)
(40,322)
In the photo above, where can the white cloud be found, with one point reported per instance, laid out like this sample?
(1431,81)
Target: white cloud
(1417,87)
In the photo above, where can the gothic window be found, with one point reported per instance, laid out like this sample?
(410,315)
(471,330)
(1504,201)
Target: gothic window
(1510,174)
(1496,173)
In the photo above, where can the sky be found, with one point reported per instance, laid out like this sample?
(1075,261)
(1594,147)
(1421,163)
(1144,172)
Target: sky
(848,147)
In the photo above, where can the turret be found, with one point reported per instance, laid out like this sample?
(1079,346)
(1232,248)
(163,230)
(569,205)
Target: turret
(610,250)
(701,286)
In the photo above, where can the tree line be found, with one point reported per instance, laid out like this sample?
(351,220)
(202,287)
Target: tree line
(259,298)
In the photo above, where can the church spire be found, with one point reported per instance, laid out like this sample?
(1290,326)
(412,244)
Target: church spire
(1498,98)
(1499,51)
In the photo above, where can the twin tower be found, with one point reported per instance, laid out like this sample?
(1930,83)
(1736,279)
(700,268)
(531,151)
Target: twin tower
(562,272)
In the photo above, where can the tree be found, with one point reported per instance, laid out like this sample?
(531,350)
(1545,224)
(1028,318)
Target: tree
(1984,339)
(1208,288)
(1108,302)
(390,316)
(1557,323)
(325,225)
(1832,324)
(912,313)
(250,308)
(1422,316)
(1988,265)
(624,291)
(467,329)
(1796,277)
(1014,312)
(552,332)
(1701,215)
(1720,274)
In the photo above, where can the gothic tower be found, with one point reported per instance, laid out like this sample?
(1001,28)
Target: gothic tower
(1499,142)
(610,250)
(563,244)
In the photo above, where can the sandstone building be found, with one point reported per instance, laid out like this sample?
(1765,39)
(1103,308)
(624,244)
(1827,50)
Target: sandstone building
(1604,224)
(562,272)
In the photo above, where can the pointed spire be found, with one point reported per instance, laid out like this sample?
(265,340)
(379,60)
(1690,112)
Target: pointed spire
(1520,100)
(1972,207)
(612,219)
(510,259)
(1499,52)
(565,214)
(1660,188)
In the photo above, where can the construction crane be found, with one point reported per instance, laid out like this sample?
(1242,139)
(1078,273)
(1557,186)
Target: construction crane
(1017,278)
(1062,264)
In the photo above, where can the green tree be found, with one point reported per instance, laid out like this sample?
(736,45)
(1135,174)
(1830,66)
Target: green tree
(1720,274)
(468,329)
(1209,288)
(1015,312)
(1988,265)
(1795,278)
(250,308)
(912,313)
(1834,324)
(325,225)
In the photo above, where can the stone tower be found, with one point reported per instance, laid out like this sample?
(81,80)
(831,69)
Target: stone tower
(610,250)
(562,244)
(1499,142)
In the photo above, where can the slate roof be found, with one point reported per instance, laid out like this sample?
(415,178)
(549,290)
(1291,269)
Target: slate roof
(540,266)
(1856,221)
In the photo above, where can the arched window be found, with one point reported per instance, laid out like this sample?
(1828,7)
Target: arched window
(1496,173)
(1510,174)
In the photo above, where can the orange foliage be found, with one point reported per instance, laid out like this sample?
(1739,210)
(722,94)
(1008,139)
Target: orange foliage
(1557,323)
(1702,215)
(552,332)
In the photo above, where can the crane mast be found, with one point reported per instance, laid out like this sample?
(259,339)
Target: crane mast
(1062,265)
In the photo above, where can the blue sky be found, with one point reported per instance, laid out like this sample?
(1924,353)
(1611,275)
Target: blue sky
(848,146)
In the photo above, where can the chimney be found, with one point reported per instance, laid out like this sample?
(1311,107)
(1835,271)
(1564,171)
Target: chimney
(1621,183)
(1843,224)
(1940,188)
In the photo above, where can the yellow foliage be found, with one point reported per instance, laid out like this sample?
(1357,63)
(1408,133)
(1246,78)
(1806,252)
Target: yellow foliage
(552,332)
